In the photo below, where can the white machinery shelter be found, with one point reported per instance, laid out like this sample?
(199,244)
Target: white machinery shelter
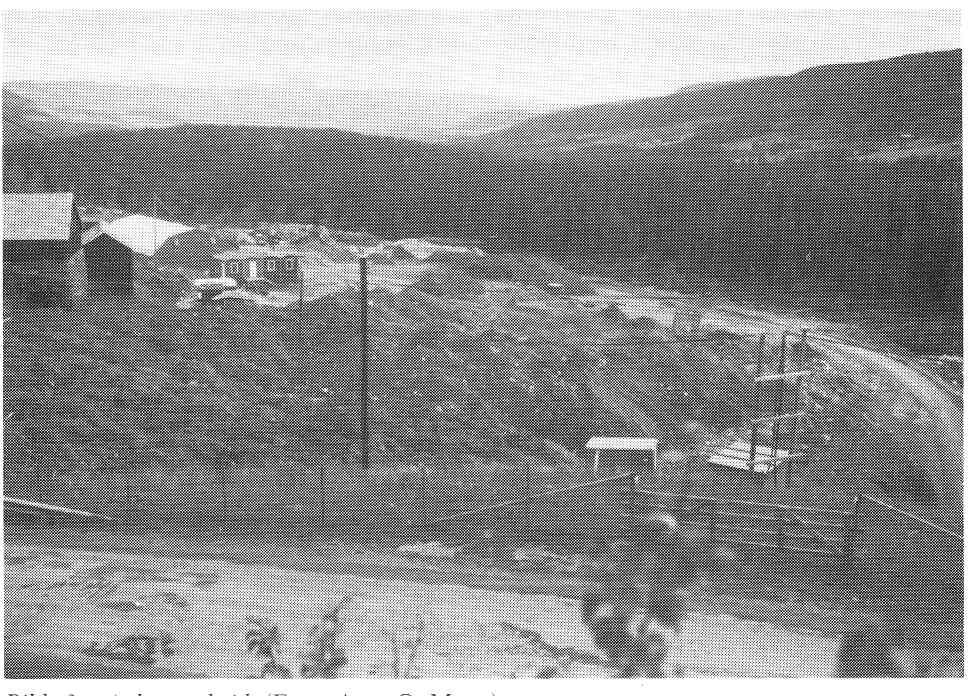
(637,454)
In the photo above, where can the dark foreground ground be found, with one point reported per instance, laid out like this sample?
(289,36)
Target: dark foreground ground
(423,611)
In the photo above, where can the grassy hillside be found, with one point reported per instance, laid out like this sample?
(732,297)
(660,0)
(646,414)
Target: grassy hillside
(885,108)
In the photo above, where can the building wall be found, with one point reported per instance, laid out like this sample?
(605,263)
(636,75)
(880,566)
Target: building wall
(37,271)
(78,273)
(40,271)
(238,269)
(279,271)
(283,271)
(109,265)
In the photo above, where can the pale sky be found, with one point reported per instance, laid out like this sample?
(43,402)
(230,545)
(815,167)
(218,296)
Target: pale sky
(566,57)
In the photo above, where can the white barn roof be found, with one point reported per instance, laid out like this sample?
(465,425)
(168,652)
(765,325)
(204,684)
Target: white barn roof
(143,234)
(37,216)
(632,444)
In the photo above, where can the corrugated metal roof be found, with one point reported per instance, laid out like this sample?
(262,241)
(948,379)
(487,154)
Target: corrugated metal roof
(638,444)
(37,216)
(143,234)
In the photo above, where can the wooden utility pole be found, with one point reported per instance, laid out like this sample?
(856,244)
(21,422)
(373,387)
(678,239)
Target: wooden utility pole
(155,224)
(363,270)
(305,376)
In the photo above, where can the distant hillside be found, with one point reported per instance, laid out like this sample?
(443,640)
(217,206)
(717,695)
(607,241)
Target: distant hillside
(884,108)
(24,120)
(407,113)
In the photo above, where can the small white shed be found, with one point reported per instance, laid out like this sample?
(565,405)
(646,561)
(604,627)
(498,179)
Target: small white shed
(614,454)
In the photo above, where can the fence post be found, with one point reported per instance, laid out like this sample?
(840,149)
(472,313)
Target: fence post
(851,528)
(761,349)
(127,483)
(526,513)
(321,503)
(363,273)
(848,546)
(627,514)
(798,403)
(779,393)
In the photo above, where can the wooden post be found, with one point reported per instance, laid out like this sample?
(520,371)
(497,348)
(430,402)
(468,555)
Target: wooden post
(779,405)
(224,513)
(425,501)
(363,271)
(300,284)
(761,347)
(780,530)
(302,317)
(529,517)
(795,424)
(155,224)
(321,490)
(851,528)
(848,547)
(126,465)
(650,464)
(626,516)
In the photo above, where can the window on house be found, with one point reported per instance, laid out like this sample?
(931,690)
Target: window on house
(234,268)
(271,265)
(288,264)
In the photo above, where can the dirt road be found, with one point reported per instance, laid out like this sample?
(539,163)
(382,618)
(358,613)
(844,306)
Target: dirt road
(917,411)
(65,600)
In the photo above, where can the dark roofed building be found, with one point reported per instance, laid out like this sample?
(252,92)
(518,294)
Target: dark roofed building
(40,233)
(105,264)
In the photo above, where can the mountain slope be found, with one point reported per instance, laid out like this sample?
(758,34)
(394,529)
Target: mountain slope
(24,121)
(408,113)
(909,102)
